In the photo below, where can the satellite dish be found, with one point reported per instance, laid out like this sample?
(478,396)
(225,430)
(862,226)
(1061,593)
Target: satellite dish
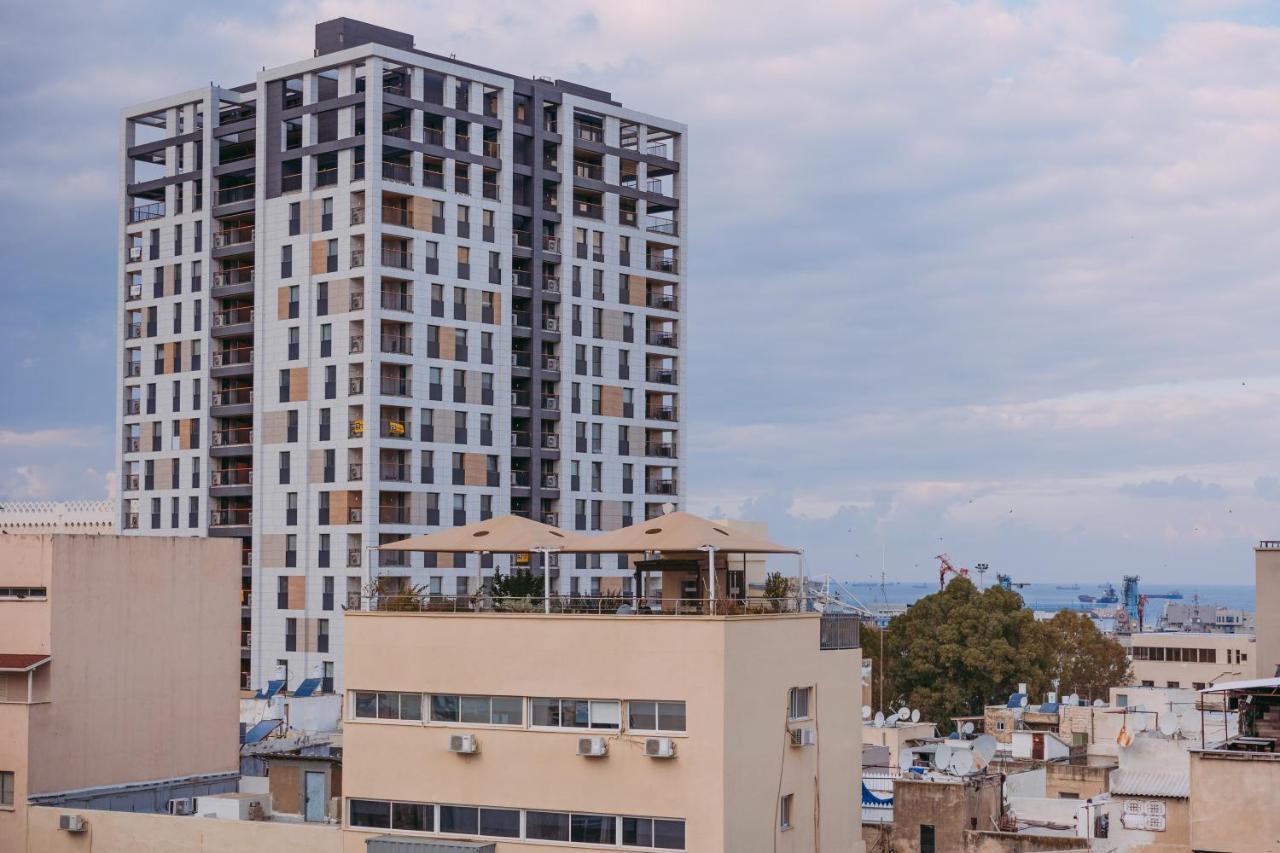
(1023,702)
(1073,699)
(904,714)
(906,760)
(1140,723)
(915,715)
(1169,725)
(866,712)
(879,719)
(942,758)
(1098,703)
(967,729)
(984,749)
(962,762)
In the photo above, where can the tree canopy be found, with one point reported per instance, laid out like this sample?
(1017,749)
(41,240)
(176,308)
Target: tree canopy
(955,651)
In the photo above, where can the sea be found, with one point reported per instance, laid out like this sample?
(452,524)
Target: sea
(1054,597)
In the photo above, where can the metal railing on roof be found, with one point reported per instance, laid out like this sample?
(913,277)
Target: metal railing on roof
(602,605)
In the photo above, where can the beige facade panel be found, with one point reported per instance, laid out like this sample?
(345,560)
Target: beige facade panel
(1233,803)
(273,550)
(636,291)
(339,296)
(275,427)
(635,436)
(119,832)
(315,465)
(472,380)
(282,303)
(473,469)
(318,257)
(172,357)
(297,383)
(297,592)
(447,340)
(420,210)
(442,420)
(186,430)
(418,508)
(1267,579)
(163,472)
(611,324)
(611,401)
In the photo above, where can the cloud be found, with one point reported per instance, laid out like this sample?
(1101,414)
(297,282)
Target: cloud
(1267,488)
(964,285)
(1182,487)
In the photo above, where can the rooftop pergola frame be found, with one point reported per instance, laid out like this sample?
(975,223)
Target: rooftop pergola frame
(673,541)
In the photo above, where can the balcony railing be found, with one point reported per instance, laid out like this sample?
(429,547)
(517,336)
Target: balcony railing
(233,276)
(583,169)
(659,338)
(660,487)
(233,236)
(522,239)
(229,357)
(230,517)
(551,284)
(326,177)
(232,437)
(397,258)
(399,172)
(357,258)
(397,344)
(624,607)
(661,413)
(589,132)
(231,195)
(661,263)
(231,477)
(397,216)
(233,316)
(665,449)
(659,225)
(145,212)
(666,302)
(393,514)
(395,301)
(397,387)
(589,209)
(662,375)
(233,397)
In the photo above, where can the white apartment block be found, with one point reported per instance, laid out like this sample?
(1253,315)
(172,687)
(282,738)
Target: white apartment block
(380,291)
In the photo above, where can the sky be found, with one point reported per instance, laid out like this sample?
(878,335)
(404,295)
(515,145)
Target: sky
(994,279)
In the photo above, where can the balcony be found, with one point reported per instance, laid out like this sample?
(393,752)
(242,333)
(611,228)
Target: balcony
(661,413)
(357,258)
(665,449)
(232,356)
(145,212)
(355,472)
(397,344)
(357,215)
(231,195)
(233,397)
(661,263)
(393,300)
(393,386)
(231,477)
(129,482)
(233,437)
(240,517)
(659,338)
(551,362)
(393,515)
(661,375)
(551,284)
(233,316)
(551,518)
(395,473)
(551,244)
(233,237)
(664,301)
(232,277)
(394,429)
(592,171)
(658,486)
(398,259)
(326,177)
(397,216)
(588,209)
(659,225)
(550,441)
(355,344)
(522,239)
(588,132)
(398,172)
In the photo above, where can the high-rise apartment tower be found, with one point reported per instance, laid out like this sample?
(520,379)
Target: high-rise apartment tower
(379,291)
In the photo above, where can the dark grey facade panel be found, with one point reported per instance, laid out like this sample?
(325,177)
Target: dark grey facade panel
(441,110)
(160,144)
(342,33)
(160,183)
(322,106)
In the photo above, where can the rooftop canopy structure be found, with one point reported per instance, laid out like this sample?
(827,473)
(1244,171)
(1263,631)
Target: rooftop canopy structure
(503,534)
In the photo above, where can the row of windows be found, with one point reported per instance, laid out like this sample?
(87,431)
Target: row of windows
(645,833)
(643,715)
(1184,655)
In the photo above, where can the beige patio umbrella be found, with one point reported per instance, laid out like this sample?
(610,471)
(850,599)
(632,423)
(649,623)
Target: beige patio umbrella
(679,531)
(503,534)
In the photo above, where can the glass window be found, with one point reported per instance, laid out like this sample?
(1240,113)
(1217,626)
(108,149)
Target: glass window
(475,709)
(410,706)
(507,711)
(444,709)
(606,715)
(415,816)
(370,813)
(637,831)
(544,712)
(388,706)
(459,819)
(668,834)
(504,823)
(367,705)
(593,829)
(546,826)
(799,709)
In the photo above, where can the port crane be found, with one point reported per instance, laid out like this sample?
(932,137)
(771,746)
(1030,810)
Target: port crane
(945,568)
(1008,583)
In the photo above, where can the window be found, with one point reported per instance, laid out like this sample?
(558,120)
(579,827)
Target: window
(645,715)
(6,788)
(484,710)
(371,814)
(799,704)
(291,635)
(575,713)
(653,832)
(388,706)
(461,819)
(784,812)
(414,816)
(593,829)
(546,826)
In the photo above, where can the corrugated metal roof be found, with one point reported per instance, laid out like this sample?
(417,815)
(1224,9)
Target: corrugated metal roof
(403,844)
(1146,783)
(1252,684)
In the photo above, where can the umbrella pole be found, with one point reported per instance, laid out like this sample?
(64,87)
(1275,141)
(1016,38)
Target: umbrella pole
(800,581)
(711,576)
(546,579)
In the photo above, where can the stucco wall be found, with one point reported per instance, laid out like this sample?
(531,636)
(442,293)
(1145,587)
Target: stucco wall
(732,673)
(1233,804)
(951,808)
(1174,839)
(1267,578)
(1225,668)
(1081,780)
(126,832)
(144,637)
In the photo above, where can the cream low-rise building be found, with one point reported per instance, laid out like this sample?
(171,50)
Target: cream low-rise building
(1180,659)
(118,666)
(532,730)
(1266,561)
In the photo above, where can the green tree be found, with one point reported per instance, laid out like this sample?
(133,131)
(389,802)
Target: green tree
(957,650)
(521,583)
(1083,659)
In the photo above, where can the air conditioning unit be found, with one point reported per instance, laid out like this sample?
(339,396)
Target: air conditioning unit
(71,823)
(355,472)
(135,253)
(357,301)
(180,806)
(551,324)
(550,362)
(659,747)
(550,481)
(463,744)
(593,747)
(551,441)
(803,737)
